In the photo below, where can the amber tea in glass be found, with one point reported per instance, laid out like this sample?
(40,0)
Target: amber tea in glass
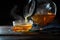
(44,19)
(24,27)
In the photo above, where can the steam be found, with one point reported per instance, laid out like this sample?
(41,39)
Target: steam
(28,11)
(13,13)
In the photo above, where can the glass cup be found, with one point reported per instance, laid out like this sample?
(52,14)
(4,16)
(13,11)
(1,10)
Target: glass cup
(21,26)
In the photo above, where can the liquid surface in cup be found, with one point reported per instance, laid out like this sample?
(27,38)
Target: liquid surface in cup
(22,28)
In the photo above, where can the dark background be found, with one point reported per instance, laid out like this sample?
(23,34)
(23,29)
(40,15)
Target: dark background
(5,10)
(6,18)
(6,6)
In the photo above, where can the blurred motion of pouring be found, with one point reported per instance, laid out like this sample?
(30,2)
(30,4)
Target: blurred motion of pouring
(29,9)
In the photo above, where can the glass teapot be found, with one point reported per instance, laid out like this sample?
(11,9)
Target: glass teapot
(41,12)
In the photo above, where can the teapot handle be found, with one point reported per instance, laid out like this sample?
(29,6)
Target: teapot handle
(55,8)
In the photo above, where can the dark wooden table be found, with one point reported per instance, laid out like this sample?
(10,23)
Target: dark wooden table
(7,34)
